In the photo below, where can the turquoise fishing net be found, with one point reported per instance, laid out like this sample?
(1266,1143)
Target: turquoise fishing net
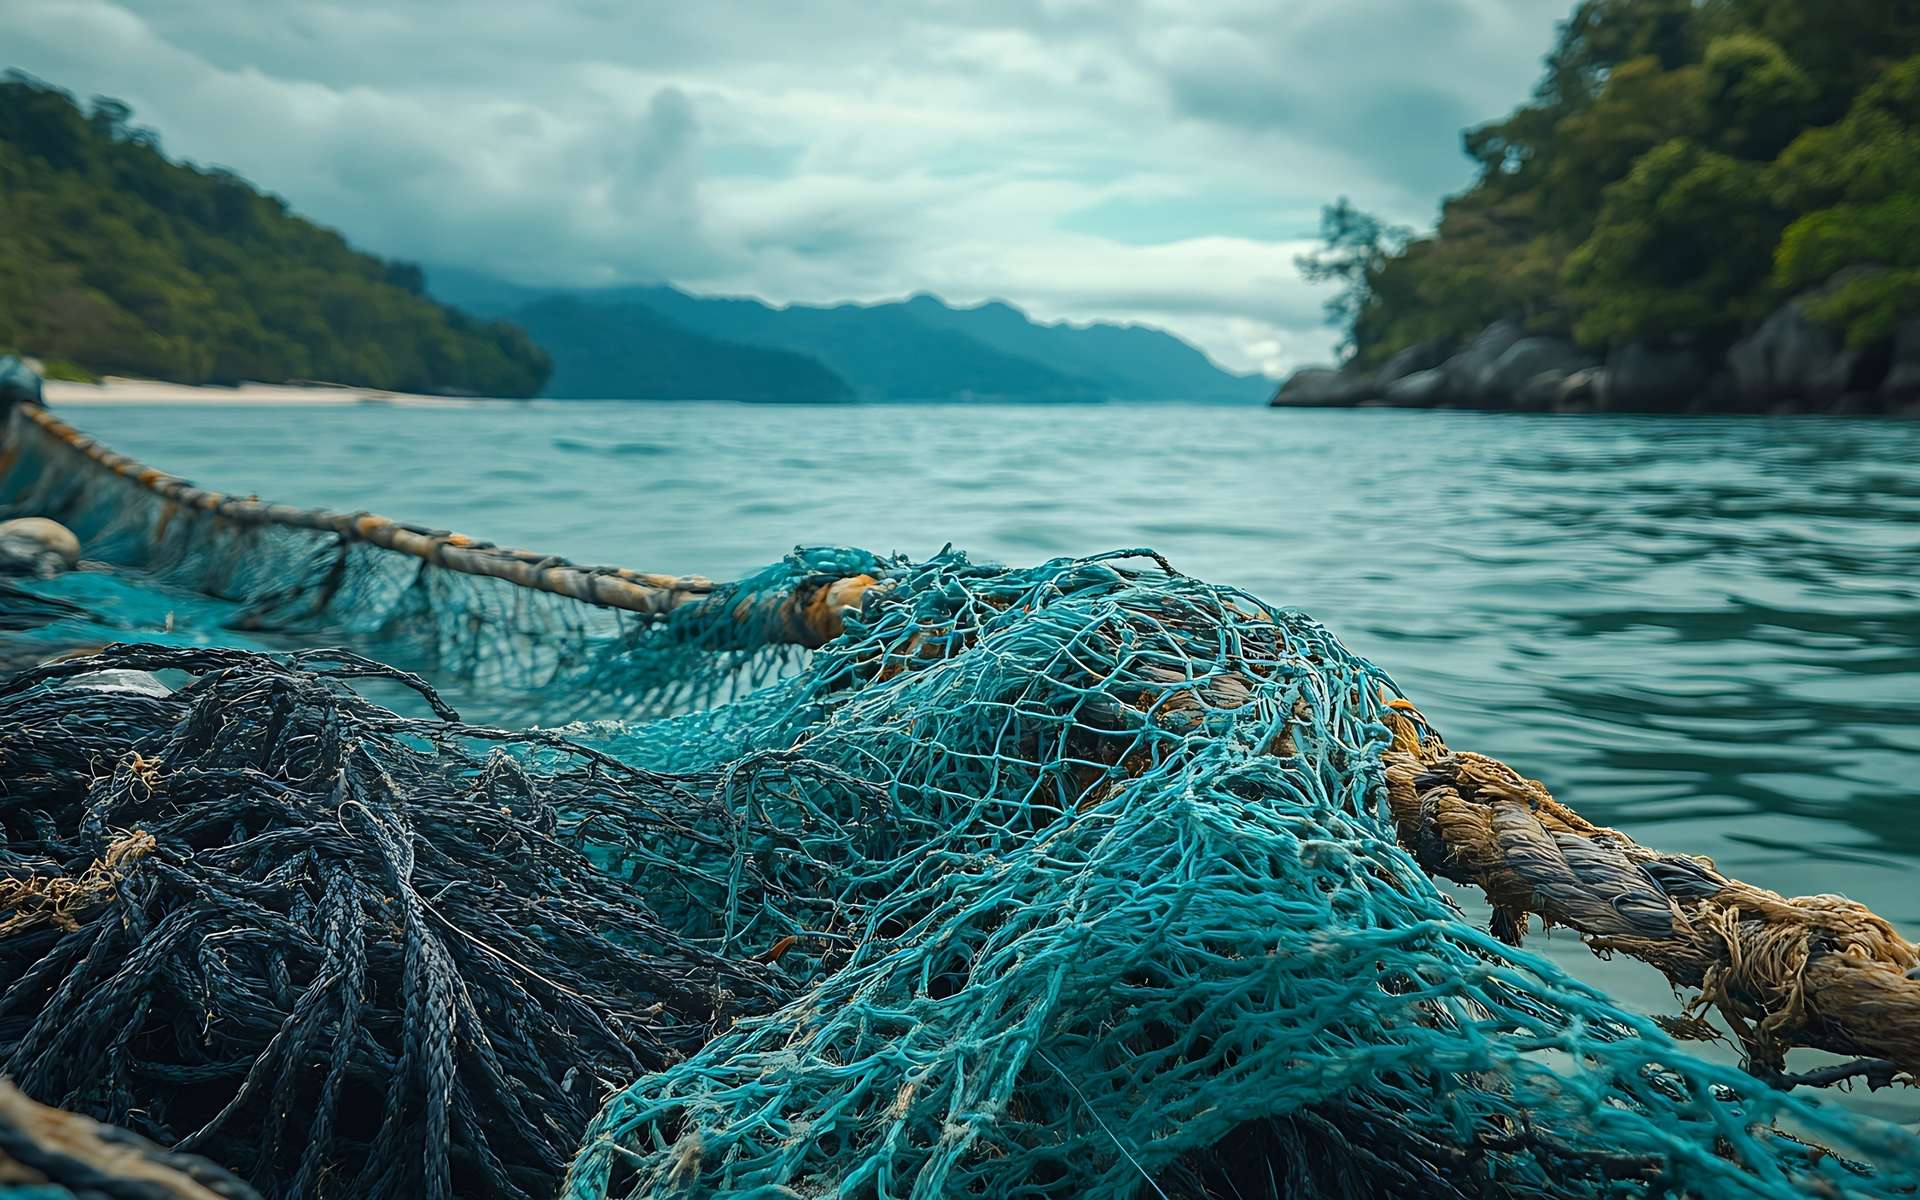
(1133,922)
(1083,880)
(506,649)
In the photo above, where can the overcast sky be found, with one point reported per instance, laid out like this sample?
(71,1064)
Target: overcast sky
(1151,160)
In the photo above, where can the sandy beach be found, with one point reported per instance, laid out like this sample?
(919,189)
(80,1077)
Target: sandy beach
(117,390)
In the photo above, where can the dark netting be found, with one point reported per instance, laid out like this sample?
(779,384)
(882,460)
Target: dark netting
(346,952)
(1089,879)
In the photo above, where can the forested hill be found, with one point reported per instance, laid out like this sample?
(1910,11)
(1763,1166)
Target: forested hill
(116,258)
(1684,170)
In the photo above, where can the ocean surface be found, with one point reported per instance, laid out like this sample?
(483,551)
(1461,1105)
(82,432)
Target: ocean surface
(1705,632)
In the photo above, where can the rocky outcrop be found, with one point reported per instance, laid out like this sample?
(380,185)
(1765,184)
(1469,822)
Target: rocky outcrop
(1532,366)
(1468,370)
(1640,377)
(1323,387)
(1419,357)
(1421,389)
(1790,362)
(1902,384)
(1792,359)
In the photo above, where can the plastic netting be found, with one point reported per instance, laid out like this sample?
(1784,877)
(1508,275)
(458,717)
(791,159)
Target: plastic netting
(1069,881)
(489,633)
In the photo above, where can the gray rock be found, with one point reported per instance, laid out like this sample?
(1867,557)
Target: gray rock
(1586,390)
(1421,356)
(1903,375)
(1323,387)
(1467,371)
(1643,378)
(1524,362)
(1793,359)
(1542,392)
(1421,389)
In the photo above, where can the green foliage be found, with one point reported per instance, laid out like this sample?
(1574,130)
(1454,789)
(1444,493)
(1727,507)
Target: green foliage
(66,372)
(1485,262)
(1673,248)
(1756,99)
(1870,306)
(1354,247)
(1822,243)
(1681,165)
(115,257)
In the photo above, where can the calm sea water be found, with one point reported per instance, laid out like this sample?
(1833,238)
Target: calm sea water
(1705,632)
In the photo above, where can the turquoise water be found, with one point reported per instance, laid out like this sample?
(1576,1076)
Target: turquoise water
(1705,632)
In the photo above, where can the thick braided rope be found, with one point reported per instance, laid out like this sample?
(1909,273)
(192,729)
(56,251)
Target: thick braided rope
(1819,971)
(45,1151)
(807,615)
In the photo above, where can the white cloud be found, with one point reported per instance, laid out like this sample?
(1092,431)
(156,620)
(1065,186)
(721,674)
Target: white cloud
(831,149)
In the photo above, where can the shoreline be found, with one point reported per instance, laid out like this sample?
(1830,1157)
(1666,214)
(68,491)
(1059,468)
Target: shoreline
(116,389)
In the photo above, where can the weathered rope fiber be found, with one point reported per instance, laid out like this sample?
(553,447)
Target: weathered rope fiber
(46,1153)
(1819,971)
(26,901)
(808,615)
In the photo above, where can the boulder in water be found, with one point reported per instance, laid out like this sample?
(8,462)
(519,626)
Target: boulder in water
(1323,387)
(1648,378)
(1902,383)
(1582,391)
(1511,378)
(1421,356)
(1421,389)
(1795,360)
(1468,371)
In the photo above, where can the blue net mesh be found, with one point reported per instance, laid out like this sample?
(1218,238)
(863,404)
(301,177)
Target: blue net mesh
(1079,880)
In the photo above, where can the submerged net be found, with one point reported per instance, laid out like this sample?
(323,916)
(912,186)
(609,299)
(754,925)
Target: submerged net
(1086,879)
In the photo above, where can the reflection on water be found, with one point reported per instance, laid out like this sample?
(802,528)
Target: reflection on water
(1704,631)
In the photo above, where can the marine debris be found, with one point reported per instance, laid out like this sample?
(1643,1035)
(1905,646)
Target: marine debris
(1084,879)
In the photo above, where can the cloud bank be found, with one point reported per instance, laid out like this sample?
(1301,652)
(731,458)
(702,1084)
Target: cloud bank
(1159,161)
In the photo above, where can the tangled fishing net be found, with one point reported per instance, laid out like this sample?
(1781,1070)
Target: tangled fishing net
(1089,879)
(340,950)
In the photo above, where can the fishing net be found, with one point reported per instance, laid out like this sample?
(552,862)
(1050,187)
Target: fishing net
(496,619)
(1086,879)
(342,951)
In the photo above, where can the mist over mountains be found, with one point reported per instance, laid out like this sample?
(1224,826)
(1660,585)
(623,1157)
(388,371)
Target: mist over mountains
(659,342)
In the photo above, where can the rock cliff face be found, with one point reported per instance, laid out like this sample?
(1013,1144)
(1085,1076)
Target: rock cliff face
(1790,363)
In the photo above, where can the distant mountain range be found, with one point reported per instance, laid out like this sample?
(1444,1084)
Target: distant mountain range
(658,342)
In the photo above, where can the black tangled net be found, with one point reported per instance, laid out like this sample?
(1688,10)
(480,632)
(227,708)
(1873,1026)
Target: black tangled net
(348,952)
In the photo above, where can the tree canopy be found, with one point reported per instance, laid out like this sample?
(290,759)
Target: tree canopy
(121,260)
(1681,168)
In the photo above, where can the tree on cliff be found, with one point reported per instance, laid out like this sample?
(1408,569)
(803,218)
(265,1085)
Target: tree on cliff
(117,258)
(1681,167)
